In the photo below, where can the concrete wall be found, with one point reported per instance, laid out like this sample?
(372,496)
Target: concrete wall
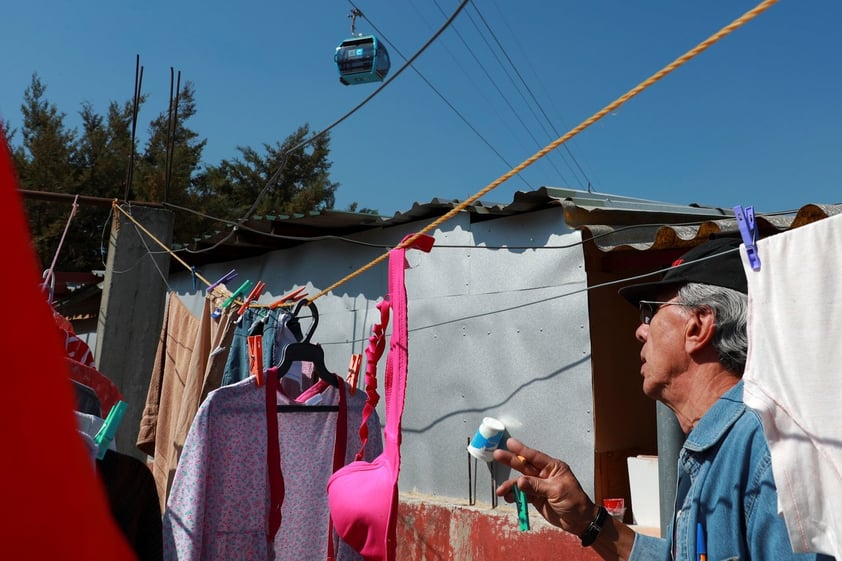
(131,312)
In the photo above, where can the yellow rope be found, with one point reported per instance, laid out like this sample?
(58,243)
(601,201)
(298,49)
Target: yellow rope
(680,61)
(115,204)
(728,29)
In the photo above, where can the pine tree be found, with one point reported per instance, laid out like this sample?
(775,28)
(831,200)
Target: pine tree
(102,155)
(96,162)
(46,162)
(239,187)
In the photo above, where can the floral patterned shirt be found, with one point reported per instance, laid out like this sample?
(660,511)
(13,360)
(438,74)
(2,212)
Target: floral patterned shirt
(219,504)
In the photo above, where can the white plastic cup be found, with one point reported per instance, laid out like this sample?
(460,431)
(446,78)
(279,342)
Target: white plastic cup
(486,439)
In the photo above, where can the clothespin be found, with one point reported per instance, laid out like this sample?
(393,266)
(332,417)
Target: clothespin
(253,295)
(224,279)
(748,230)
(230,300)
(255,346)
(193,276)
(354,372)
(106,432)
(243,287)
(293,296)
(522,509)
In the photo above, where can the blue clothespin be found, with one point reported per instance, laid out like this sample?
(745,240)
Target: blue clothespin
(193,276)
(109,428)
(748,230)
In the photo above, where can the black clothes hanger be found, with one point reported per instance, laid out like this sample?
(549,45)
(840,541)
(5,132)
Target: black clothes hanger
(307,351)
(294,326)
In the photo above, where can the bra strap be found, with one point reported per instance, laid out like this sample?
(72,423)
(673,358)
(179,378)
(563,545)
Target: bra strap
(395,379)
(398,359)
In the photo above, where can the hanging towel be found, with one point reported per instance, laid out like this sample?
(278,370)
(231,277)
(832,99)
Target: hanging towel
(204,371)
(793,376)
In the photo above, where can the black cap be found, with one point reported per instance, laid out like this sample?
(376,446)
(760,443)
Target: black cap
(726,269)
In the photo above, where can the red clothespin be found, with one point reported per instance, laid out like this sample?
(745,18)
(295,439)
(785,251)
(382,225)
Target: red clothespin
(255,345)
(354,372)
(293,296)
(254,294)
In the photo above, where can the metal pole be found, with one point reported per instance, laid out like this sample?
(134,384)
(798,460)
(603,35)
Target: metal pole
(670,440)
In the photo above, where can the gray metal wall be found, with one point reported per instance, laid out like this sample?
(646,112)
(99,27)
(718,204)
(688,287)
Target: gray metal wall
(493,332)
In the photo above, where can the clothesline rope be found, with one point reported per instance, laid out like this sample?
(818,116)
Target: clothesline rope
(48,283)
(614,105)
(692,53)
(117,207)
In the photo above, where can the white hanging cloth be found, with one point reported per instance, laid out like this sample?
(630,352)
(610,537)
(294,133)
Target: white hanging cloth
(793,376)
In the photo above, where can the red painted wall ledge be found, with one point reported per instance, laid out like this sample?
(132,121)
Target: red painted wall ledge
(437,529)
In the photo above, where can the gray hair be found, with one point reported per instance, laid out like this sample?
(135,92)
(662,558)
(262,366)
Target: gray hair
(730,310)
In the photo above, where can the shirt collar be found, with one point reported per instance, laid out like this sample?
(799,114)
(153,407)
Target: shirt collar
(716,422)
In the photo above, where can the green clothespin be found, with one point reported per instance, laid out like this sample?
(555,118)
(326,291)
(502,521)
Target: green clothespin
(522,509)
(243,287)
(217,313)
(109,428)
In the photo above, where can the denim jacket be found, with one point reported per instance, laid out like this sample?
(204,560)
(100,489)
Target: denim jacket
(725,484)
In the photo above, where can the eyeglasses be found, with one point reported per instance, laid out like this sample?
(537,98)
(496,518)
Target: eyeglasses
(648,309)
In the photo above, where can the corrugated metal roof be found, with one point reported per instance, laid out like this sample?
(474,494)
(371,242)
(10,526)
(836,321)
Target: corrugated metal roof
(666,234)
(613,222)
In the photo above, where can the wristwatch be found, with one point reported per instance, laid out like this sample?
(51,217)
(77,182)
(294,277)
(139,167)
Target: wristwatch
(594,528)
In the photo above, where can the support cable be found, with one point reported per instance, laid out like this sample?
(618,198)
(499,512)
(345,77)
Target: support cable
(614,105)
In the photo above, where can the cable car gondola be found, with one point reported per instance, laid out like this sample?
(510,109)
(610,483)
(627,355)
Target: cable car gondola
(361,58)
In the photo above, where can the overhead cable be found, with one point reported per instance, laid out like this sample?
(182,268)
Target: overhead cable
(677,63)
(531,94)
(327,129)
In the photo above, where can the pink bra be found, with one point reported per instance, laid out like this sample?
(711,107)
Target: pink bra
(363,496)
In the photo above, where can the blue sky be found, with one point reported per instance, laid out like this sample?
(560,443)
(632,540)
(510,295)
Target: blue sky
(755,120)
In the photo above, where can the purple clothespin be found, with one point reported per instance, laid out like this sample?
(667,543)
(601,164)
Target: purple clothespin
(748,230)
(227,277)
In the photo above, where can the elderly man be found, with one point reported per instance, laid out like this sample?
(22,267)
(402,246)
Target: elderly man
(693,331)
